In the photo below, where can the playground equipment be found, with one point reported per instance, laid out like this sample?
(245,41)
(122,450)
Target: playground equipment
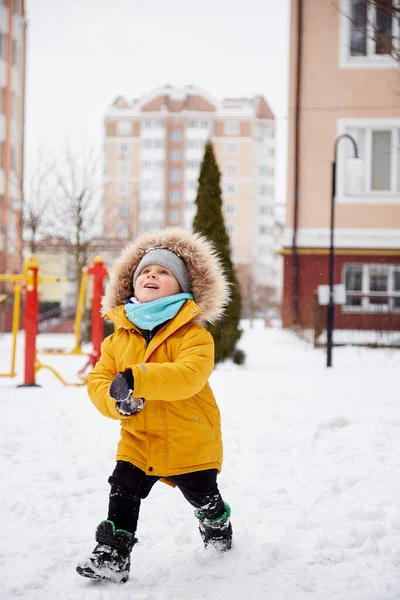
(15,326)
(29,281)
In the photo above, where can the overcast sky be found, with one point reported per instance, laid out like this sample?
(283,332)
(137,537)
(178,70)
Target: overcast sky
(81,54)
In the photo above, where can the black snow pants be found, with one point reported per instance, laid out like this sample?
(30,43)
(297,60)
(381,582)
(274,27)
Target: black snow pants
(130,485)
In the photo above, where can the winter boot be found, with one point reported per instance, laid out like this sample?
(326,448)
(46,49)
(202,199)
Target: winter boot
(110,560)
(216,532)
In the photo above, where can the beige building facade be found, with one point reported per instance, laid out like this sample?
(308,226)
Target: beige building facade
(154,147)
(343,80)
(12,99)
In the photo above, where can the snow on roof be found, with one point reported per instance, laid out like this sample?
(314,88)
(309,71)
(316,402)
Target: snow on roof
(228,107)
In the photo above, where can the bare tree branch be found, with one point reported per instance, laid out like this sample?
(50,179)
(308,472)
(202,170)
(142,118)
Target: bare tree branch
(38,196)
(374,20)
(77,205)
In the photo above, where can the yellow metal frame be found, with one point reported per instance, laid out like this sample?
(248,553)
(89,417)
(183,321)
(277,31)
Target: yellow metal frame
(39,365)
(15,328)
(77,324)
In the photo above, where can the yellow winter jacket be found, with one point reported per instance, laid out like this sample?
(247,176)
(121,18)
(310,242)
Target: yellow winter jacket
(179,429)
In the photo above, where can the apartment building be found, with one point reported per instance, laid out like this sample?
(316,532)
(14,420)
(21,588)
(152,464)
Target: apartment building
(154,147)
(12,92)
(344,79)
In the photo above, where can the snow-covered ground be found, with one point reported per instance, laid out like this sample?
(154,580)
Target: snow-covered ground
(312,472)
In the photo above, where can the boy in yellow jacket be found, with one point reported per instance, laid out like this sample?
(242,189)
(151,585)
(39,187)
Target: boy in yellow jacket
(153,376)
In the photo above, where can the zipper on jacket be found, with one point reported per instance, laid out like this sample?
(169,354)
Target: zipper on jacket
(147,334)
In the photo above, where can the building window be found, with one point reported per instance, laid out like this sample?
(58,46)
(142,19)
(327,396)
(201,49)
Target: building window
(265,190)
(175,175)
(230,229)
(152,123)
(372,287)
(3,45)
(193,185)
(124,128)
(14,54)
(230,209)
(16,7)
(174,196)
(123,167)
(230,168)
(123,209)
(13,105)
(176,135)
(232,148)
(174,216)
(175,155)
(264,170)
(198,144)
(264,209)
(123,188)
(123,229)
(13,159)
(152,164)
(193,164)
(232,128)
(264,229)
(369,32)
(230,188)
(379,148)
(198,124)
(150,144)
(123,149)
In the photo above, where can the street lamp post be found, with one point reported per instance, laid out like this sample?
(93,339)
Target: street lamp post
(330,324)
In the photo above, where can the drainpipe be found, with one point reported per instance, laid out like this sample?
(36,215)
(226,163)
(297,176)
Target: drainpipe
(295,260)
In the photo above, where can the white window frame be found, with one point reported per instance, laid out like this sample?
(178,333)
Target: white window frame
(265,190)
(122,228)
(193,164)
(265,171)
(150,143)
(231,168)
(366,306)
(123,188)
(152,123)
(176,135)
(230,209)
(232,148)
(124,128)
(123,167)
(197,144)
(123,209)
(175,175)
(174,216)
(232,127)
(123,149)
(369,196)
(176,155)
(174,196)
(371,60)
(230,188)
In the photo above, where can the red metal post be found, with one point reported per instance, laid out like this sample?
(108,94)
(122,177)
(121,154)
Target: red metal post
(98,272)
(31,319)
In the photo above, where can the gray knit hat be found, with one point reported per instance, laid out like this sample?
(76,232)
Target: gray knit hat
(168,259)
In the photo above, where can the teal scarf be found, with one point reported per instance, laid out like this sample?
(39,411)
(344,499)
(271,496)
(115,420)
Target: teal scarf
(147,315)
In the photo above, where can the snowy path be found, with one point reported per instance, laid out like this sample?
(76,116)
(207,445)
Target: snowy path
(312,472)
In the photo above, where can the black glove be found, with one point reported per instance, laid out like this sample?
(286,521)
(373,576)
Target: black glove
(120,389)
(122,385)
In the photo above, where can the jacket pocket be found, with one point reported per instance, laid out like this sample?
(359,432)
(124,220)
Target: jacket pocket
(205,415)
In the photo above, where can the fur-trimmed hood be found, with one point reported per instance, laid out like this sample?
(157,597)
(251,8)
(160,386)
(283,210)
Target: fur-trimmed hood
(209,283)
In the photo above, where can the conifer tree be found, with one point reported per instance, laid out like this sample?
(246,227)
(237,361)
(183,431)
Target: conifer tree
(209,222)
